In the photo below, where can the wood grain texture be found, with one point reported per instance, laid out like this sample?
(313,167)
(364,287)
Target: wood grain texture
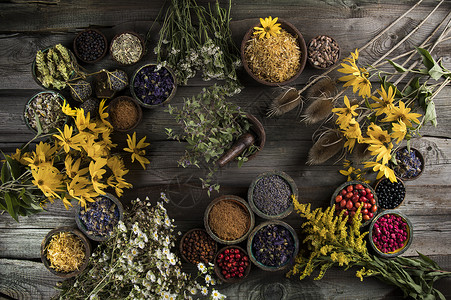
(352,23)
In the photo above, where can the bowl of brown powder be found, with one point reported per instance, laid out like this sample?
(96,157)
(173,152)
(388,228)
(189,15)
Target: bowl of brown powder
(124,113)
(228,219)
(275,60)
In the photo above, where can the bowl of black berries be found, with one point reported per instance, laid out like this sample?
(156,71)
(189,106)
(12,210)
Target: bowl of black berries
(409,163)
(273,245)
(153,85)
(98,219)
(390,194)
(90,46)
(271,194)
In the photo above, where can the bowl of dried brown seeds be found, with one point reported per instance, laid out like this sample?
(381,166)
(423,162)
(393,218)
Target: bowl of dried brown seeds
(323,52)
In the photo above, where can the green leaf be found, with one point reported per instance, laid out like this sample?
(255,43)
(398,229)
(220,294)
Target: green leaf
(436,72)
(14,167)
(428,260)
(214,140)
(428,60)
(5,173)
(3,205)
(38,125)
(10,207)
(430,115)
(398,67)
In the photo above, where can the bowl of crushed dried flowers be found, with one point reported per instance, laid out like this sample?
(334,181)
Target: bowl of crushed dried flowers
(274,54)
(65,251)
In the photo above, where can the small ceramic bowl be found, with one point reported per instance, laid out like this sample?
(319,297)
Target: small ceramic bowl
(323,52)
(115,39)
(219,269)
(287,26)
(287,179)
(337,192)
(406,243)
(237,201)
(251,249)
(79,235)
(101,37)
(82,226)
(401,171)
(382,196)
(136,94)
(208,238)
(58,113)
(115,114)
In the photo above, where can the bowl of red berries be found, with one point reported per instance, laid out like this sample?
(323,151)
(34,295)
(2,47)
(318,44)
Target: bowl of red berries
(349,196)
(232,264)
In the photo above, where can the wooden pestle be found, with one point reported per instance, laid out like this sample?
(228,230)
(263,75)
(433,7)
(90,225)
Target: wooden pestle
(237,148)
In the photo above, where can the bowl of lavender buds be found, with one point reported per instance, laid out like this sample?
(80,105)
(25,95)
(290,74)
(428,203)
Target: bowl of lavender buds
(152,85)
(270,195)
(273,245)
(98,219)
(408,163)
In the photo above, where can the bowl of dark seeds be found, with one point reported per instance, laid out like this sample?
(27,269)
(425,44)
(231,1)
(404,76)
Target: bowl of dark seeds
(44,110)
(323,52)
(196,246)
(270,195)
(90,46)
(273,245)
(409,163)
(99,218)
(390,194)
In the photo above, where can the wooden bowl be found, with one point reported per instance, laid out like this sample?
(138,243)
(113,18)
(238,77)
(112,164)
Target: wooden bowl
(250,194)
(250,251)
(287,26)
(311,59)
(237,200)
(113,105)
(218,268)
(259,131)
(146,105)
(143,45)
(398,251)
(353,182)
(182,241)
(105,50)
(379,198)
(399,174)
(81,225)
(77,233)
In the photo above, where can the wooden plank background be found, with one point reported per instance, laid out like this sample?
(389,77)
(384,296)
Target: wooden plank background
(27,26)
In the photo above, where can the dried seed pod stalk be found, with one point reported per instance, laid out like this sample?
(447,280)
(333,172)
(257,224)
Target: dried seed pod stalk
(329,144)
(285,102)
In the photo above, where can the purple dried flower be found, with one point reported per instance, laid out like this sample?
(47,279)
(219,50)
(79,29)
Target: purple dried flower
(153,87)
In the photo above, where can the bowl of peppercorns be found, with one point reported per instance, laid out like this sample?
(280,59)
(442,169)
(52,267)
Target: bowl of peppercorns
(349,196)
(196,246)
(98,219)
(409,163)
(232,264)
(90,46)
(390,233)
(390,195)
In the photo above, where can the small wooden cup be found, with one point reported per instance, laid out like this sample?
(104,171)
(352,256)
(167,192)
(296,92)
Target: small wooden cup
(105,50)
(399,180)
(113,105)
(78,234)
(218,269)
(419,155)
(142,45)
(182,241)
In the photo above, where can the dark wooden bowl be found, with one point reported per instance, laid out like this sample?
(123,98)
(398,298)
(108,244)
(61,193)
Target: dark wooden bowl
(271,268)
(310,59)
(290,29)
(241,202)
(77,233)
(82,226)
(250,194)
(113,105)
(259,132)
(399,180)
(218,269)
(182,241)
(406,244)
(419,155)
(143,45)
(105,50)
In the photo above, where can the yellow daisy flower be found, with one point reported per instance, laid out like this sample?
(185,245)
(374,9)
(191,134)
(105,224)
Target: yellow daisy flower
(381,151)
(20,157)
(270,27)
(66,140)
(385,104)
(357,78)
(103,114)
(345,114)
(348,172)
(377,135)
(73,168)
(399,131)
(48,180)
(83,122)
(383,170)
(137,149)
(68,110)
(353,134)
(402,113)
(96,171)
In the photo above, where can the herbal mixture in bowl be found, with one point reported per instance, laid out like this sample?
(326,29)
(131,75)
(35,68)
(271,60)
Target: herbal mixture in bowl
(47,107)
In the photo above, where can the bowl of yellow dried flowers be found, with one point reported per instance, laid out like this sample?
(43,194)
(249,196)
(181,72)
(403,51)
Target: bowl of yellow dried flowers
(274,54)
(65,251)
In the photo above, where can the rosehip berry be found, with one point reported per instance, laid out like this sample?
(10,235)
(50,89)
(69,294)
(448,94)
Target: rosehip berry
(349,188)
(368,191)
(349,204)
(338,198)
(343,192)
(359,186)
(343,203)
(226,251)
(237,251)
(366,217)
(224,272)
(349,195)
(362,192)
(373,208)
(370,196)
(355,198)
(373,201)
(365,211)
(357,204)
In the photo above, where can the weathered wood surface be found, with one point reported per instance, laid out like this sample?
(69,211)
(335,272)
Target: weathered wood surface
(27,26)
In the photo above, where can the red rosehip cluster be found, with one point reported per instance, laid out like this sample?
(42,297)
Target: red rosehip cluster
(232,263)
(352,197)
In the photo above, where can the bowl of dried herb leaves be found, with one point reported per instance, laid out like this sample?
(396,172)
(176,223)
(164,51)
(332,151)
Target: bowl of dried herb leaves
(274,54)
(65,251)
(127,48)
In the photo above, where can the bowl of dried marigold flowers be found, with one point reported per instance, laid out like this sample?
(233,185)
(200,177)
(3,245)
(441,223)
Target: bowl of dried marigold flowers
(274,54)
